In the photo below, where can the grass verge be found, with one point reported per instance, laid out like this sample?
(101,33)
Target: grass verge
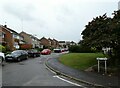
(80,61)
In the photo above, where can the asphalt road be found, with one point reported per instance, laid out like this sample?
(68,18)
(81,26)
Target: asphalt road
(32,72)
(0,76)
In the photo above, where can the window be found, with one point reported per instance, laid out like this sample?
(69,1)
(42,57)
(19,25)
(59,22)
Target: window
(15,36)
(2,35)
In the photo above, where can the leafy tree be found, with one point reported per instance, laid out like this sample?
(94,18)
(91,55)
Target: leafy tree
(103,31)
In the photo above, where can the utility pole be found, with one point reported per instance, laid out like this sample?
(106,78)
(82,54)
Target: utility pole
(119,5)
(22,24)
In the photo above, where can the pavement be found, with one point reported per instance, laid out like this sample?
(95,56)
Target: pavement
(90,78)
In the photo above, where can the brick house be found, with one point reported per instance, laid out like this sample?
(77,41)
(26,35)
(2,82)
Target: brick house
(45,42)
(10,38)
(49,43)
(56,43)
(2,36)
(30,40)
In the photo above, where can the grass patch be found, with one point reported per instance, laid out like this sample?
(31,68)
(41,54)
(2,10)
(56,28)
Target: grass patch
(80,61)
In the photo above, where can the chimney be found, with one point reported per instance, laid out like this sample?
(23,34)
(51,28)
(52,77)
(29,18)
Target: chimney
(5,26)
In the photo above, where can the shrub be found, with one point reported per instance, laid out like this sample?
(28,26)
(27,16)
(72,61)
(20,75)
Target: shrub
(80,49)
(2,49)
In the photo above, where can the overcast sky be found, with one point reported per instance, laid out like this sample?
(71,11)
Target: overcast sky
(59,19)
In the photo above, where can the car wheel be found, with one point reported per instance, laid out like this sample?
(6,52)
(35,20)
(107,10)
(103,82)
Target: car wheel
(18,59)
(34,55)
(6,60)
(26,57)
(0,60)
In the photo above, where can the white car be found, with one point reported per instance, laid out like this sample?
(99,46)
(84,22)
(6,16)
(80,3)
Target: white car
(2,57)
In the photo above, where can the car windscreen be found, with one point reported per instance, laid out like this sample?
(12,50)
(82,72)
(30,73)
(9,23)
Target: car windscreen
(16,53)
(35,51)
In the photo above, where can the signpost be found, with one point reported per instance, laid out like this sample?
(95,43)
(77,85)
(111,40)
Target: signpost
(102,59)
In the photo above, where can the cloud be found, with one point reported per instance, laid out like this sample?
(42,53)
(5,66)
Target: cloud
(60,19)
(21,11)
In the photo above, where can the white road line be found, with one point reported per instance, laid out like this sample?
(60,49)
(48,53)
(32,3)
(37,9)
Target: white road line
(68,81)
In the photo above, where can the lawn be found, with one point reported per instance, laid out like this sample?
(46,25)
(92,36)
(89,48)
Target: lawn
(80,61)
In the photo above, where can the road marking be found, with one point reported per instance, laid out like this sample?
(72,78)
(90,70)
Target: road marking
(68,81)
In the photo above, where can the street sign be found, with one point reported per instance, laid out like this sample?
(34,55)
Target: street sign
(102,59)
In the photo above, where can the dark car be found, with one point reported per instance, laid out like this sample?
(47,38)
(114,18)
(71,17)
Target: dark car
(46,52)
(17,55)
(33,53)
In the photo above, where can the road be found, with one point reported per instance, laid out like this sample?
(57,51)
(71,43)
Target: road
(33,72)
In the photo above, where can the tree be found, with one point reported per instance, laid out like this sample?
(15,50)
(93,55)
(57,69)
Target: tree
(103,31)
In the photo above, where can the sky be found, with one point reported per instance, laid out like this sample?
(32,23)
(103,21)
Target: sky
(58,19)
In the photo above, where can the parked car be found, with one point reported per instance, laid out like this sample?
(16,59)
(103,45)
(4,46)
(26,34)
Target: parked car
(57,50)
(62,50)
(33,53)
(17,55)
(46,52)
(2,57)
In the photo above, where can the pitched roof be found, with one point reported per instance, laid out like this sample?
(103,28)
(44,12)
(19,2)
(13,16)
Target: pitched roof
(30,35)
(50,39)
(43,38)
(61,41)
(12,31)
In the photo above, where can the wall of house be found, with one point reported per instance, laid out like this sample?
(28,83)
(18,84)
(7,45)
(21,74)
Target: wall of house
(8,39)
(45,42)
(27,38)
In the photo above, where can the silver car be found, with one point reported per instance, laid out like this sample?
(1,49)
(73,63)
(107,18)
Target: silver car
(2,57)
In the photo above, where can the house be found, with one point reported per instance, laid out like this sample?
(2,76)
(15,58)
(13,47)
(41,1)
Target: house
(2,37)
(35,42)
(66,44)
(30,40)
(51,42)
(62,44)
(72,43)
(10,38)
(56,43)
(45,42)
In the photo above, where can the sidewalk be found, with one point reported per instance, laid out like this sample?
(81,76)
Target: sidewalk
(82,76)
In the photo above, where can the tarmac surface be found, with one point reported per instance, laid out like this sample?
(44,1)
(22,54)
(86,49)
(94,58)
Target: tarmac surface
(90,78)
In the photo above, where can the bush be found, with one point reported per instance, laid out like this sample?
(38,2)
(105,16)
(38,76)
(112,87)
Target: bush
(80,49)
(2,49)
